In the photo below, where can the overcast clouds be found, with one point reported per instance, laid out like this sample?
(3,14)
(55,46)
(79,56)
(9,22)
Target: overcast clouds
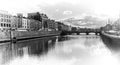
(59,9)
(65,10)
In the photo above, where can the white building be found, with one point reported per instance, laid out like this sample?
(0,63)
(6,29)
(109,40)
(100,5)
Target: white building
(5,20)
(24,23)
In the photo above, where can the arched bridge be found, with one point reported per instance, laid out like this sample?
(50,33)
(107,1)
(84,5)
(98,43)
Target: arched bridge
(87,31)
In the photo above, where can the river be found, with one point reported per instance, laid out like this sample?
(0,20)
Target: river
(59,50)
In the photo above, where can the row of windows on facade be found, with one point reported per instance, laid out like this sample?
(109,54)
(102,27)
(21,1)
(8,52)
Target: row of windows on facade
(5,20)
(6,16)
(5,25)
(25,26)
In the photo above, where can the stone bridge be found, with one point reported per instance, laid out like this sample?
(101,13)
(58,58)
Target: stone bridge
(87,31)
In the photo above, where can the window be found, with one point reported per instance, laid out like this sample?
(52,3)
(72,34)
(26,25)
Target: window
(9,20)
(7,25)
(4,25)
(1,20)
(1,24)
(5,20)
(7,16)
(1,15)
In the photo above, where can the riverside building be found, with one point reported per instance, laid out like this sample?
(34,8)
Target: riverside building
(24,23)
(14,22)
(5,20)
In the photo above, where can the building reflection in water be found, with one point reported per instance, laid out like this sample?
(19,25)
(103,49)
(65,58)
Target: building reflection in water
(65,38)
(65,50)
(33,47)
(115,48)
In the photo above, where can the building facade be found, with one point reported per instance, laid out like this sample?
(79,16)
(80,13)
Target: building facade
(14,22)
(25,23)
(35,16)
(28,23)
(35,21)
(34,25)
(20,16)
(56,26)
(116,25)
(108,27)
(51,24)
(5,21)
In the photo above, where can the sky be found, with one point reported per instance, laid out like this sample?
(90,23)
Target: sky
(61,9)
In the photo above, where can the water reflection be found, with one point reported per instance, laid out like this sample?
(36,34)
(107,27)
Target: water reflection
(65,38)
(65,50)
(115,48)
(85,50)
(33,47)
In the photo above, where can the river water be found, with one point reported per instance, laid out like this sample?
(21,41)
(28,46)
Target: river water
(59,50)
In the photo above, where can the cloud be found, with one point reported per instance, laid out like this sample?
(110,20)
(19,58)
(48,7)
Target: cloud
(57,10)
(67,12)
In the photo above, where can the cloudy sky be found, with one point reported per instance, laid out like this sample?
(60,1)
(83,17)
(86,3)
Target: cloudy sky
(60,9)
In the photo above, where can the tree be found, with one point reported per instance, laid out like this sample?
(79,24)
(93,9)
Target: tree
(74,28)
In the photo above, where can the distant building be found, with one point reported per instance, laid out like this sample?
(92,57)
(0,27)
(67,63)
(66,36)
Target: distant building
(5,20)
(35,25)
(36,16)
(45,20)
(44,16)
(25,23)
(40,25)
(51,24)
(40,17)
(116,25)
(14,22)
(56,26)
(20,16)
(28,23)
(108,27)
(63,27)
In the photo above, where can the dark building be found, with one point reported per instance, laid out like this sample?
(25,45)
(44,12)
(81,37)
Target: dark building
(35,16)
(108,27)
(51,24)
(20,16)
(40,17)
(35,25)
